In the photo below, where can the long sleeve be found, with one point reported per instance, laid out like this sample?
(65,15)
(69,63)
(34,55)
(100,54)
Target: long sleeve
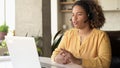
(103,59)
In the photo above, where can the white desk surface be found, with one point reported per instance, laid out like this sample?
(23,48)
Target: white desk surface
(5,62)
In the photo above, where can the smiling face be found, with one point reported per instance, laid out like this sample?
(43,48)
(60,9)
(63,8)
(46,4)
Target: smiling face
(79,17)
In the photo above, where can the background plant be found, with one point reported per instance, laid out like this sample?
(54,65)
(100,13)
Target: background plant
(38,41)
(4,28)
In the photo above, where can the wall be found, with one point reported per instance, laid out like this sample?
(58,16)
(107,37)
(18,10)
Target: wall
(112,20)
(33,17)
(28,17)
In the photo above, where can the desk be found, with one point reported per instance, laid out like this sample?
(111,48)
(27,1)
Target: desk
(5,62)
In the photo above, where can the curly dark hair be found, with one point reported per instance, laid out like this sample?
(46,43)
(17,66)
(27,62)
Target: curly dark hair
(94,11)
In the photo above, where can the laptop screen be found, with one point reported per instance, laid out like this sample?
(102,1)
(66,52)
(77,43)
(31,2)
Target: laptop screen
(23,52)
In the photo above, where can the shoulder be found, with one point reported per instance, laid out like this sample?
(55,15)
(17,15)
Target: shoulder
(99,32)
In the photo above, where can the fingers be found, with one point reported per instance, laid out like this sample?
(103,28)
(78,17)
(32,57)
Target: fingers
(63,53)
(66,60)
(67,56)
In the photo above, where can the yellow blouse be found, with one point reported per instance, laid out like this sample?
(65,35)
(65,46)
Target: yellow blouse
(95,50)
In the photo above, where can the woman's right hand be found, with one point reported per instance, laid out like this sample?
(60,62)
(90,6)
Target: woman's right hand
(60,58)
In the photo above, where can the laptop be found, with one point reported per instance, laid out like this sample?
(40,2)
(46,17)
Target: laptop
(23,52)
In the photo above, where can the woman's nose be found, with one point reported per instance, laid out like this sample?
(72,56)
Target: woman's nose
(74,18)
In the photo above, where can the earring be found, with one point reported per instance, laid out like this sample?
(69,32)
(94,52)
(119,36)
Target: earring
(88,15)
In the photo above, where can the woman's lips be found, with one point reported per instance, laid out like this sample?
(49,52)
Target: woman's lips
(75,23)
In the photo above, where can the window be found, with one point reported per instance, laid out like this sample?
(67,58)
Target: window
(7,14)
(1,11)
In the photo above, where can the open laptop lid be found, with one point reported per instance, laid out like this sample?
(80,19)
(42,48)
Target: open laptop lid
(23,52)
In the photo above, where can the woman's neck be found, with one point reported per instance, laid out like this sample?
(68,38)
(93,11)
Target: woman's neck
(85,31)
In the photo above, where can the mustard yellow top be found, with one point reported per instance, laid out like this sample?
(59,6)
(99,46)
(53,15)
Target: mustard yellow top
(95,50)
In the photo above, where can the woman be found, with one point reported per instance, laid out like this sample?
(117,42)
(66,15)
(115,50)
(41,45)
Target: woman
(85,44)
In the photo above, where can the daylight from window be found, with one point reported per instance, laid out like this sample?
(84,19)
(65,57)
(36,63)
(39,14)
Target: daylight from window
(7,14)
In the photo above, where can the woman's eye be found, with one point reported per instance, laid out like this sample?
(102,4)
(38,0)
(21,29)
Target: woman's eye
(79,14)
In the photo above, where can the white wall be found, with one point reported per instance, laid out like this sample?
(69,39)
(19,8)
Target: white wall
(112,20)
(28,17)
